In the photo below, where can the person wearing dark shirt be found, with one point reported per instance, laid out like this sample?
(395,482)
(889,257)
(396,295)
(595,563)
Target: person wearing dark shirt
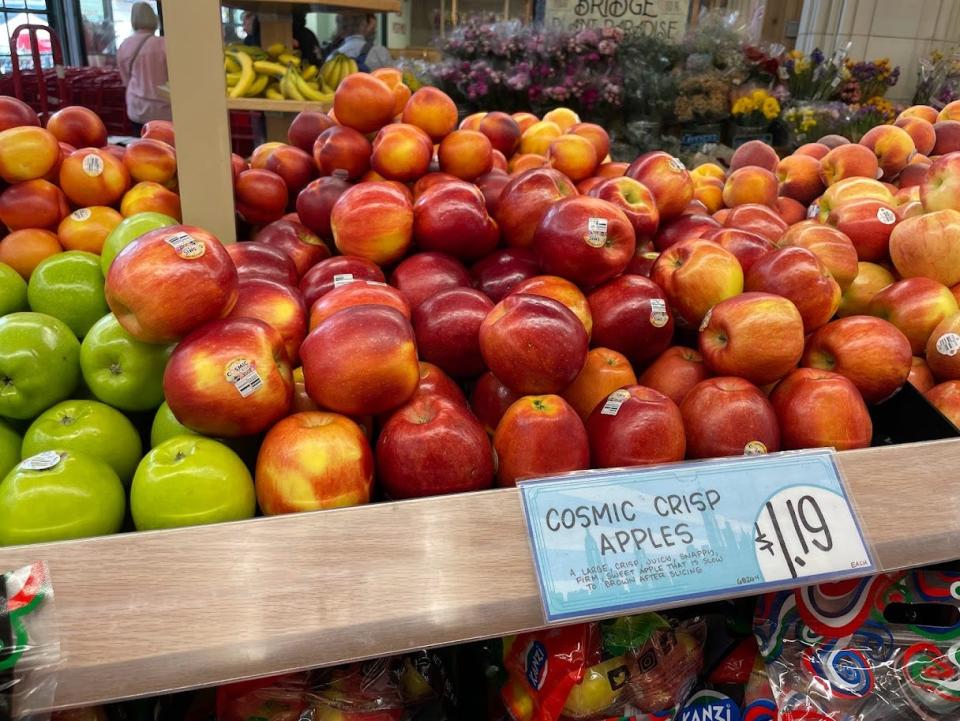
(304,39)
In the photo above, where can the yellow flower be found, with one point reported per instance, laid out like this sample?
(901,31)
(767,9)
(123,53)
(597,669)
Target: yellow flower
(795,54)
(758,95)
(771,108)
(802,65)
(808,124)
(742,106)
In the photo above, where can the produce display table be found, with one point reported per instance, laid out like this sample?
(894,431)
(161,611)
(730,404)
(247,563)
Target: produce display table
(147,613)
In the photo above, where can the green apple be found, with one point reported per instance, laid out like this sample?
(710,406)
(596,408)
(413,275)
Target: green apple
(188,481)
(89,427)
(13,290)
(39,363)
(166,426)
(120,370)
(69,286)
(127,231)
(9,448)
(59,495)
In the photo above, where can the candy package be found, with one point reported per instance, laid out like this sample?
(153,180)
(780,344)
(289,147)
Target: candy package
(885,647)
(635,666)
(394,688)
(29,644)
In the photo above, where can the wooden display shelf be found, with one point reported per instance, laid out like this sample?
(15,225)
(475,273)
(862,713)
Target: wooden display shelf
(276,106)
(147,613)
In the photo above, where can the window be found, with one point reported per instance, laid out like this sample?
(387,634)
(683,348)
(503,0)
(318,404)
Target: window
(13,14)
(106,24)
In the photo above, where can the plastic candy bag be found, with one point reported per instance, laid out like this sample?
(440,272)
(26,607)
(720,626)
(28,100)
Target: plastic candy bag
(29,644)
(886,647)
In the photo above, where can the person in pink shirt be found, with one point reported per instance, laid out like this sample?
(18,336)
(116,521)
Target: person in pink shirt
(142,61)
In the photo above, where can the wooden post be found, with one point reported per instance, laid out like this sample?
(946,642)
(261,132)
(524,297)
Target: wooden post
(506,9)
(198,93)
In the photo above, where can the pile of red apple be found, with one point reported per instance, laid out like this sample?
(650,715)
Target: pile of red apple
(426,308)
(65,188)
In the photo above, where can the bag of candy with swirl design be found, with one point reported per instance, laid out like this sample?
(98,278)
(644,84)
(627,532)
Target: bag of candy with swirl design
(880,648)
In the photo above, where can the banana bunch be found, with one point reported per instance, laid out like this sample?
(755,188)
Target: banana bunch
(276,73)
(336,69)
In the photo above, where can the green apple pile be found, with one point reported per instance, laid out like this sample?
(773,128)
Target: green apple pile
(83,425)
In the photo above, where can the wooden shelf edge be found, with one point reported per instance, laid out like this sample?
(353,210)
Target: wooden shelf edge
(275,106)
(148,613)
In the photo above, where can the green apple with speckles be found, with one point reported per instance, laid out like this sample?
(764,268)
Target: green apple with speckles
(127,231)
(166,426)
(57,496)
(13,290)
(69,286)
(39,363)
(87,427)
(189,481)
(120,370)
(9,448)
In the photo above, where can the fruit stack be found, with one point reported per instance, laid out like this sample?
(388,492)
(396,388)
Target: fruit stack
(424,309)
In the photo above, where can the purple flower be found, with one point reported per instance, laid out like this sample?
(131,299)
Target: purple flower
(816,57)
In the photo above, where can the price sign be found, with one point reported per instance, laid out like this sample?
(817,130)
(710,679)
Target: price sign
(612,541)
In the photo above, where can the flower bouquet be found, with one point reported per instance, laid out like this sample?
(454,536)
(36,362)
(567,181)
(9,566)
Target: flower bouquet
(939,79)
(812,77)
(757,109)
(872,78)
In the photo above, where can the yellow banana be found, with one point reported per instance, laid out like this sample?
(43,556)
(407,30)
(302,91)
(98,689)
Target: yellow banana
(276,50)
(247,75)
(310,72)
(267,67)
(289,86)
(259,85)
(289,59)
(253,52)
(232,79)
(230,65)
(303,87)
(328,73)
(274,94)
(352,66)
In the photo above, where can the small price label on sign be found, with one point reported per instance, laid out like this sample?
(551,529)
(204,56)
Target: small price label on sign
(611,541)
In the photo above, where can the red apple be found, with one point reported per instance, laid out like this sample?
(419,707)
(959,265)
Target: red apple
(758,219)
(920,376)
(757,336)
(229,378)
(915,306)
(604,372)
(946,397)
(357,292)
(261,196)
(635,426)
(868,223)
(434,381)
(342,152)
(526,199)
(675,372)
(311,461)
(634,199)
(259,260)
(169,281)
(585,240)
(490,400)
(361,361)
(745,246)
(539,436)
(306,127)
(334,272)
(277,305)
(696,275)
(373,221)
(303,247)
(315,203)
(452,218)
(14,113)
(943,347)
(728,416)
(492,185)
(820,409)
(423,275)
(295,166)
(631,315)
(929,246)
(447,328)
(500,272)
(667,179)
(869,351)
(535,345)
(432,446)
(797,274)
